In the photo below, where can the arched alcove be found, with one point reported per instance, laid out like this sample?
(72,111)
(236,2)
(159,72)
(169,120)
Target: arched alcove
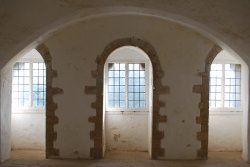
(28,103)
(156,150)
(237,106)
(6,103)
(128,101)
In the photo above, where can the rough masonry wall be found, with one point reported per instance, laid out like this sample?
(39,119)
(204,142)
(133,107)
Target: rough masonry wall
(182,55)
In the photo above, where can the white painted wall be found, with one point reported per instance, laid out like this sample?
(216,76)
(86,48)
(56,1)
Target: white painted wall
(6,112)
(225,131)
(127,131)
(28,130)
(182,55)
(20,29)
(225,127)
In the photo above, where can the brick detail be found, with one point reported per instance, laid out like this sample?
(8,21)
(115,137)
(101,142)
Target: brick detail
(51,106)
(203,105)
(96,135)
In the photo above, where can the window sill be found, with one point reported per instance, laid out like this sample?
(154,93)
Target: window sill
(29,111)
(127,112)
(221,112)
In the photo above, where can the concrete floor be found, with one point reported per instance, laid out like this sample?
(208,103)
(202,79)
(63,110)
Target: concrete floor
(123,159)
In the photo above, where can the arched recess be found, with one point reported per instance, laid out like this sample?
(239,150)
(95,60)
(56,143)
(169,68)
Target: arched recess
(51,106)
(204,107)
(97,134)
(127,101)
(50,117)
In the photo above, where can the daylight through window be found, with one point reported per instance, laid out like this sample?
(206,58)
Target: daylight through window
(29,84)
(126,85)
(225,86)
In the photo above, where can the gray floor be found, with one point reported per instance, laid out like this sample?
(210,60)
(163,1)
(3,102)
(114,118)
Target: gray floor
(124,159)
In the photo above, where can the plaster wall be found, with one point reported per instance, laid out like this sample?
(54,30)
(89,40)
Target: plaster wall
(6,81)
(28,130)
(21,30)
(225,132)
(182,54)
(128,131)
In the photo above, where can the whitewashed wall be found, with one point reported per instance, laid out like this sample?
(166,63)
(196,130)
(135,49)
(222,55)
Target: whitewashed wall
(127,131)
(28,130)
(182,55)
(225,131)
(6,112)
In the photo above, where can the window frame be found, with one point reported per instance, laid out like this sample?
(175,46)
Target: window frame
(30,108)
(126,108)
(226,109)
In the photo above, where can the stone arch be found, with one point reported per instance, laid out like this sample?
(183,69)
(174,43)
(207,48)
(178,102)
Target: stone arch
(203,119)
(51,106)
(203,89)
(96,134)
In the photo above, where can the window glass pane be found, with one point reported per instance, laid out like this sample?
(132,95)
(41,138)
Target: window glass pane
(131,104)
(122,104)
(117,74)
(122,88)
(136,73)
(137,96)
(122,81)
(131,74)
(211,103)
(231,87)
(116,81)
(237,104)
(111,74)
(116,66)
(35,65)
(130,96)
(117,89)
(219,67)
(122,73)
(116,84)
(142,104)
(35,73)
(142,73)
(136,66)
(218,104)
(26,102)
(142,96)
(111,81)
(136,104)
(133,83)
(237,96)
(122,96)
(130,88)
(122,67)
(26,80)
(136,81)
(130,66)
